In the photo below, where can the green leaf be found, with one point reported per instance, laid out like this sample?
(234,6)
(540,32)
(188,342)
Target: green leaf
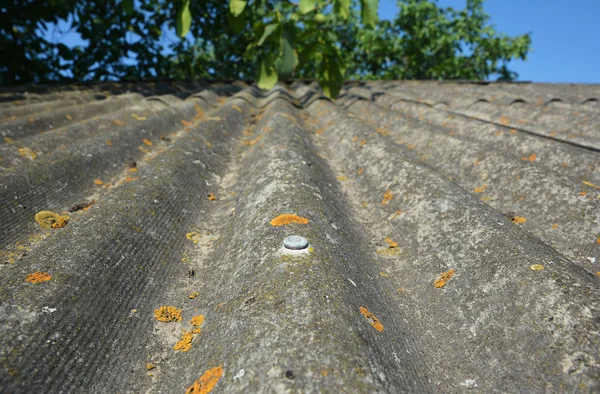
(307,6)
(269,29)
(237,6)
(288,57)
(342,8)
(267,77)
(320,18)
(308,53)
(236,23)
(368,12)
(127,6)
(184,19)
(331,76)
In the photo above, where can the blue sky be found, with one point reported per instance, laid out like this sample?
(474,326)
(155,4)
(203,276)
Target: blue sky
(565,35)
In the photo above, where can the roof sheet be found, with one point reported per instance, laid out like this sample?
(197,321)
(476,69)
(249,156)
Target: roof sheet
(454,234)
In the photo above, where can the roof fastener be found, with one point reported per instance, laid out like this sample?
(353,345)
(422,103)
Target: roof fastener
(295,242)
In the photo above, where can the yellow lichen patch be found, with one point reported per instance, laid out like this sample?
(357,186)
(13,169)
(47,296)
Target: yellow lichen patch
(207,381)
(216,118)
(27,153)
(288,218)
(132,169)
(499,133)
(555,226)
(504,120)
(391,243)
(193,295)
(598,241)
(8,140)
(138,117)
(194,237)
(387,197)
(147,142)
(480,189)
(411,146)
(512,131)
(383,131)
(342,177)
(591,184)
(396,214)
(185,343)
(207,144)
(363,142)
(98,182)
(197,321)
(143,149)
(443,278)
(324,373)
(150,366)
(167,314)
(31,119)
(211,197)
(354,139)
(384,274)
(247,132)
(69,117)
(537,267)
(360,171)
(236,108)
(38,277)
(48,219)
(582,194)
(553,134)
(519,219)
(118,122)
(531,158)
(109,142)
(253,141)
(476,162)
(373,320)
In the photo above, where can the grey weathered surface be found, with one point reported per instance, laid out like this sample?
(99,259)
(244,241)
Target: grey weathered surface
(399,182)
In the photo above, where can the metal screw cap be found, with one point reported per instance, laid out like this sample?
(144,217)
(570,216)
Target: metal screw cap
(295,242)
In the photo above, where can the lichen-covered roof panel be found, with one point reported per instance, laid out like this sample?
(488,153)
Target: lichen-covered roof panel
(449,248)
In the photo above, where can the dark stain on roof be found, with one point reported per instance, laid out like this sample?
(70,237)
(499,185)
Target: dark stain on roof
(453,229)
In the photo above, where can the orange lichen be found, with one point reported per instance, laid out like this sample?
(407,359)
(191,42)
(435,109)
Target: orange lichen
(521,121)
(555,226)
(504,120)
(537,267)
(236,108)
(591,184)
(553,134)
(391,243)
(360,171)
(207,381)
(38,277)
(324,373)
(69,117)
(363,142)
(253,141)
(387,197)
(411,146)
(193,295)
(109,142)
(598,241)
(288,218)
(48,219)
(147,141)
(396,214)
(354,139)
(27,153)
(132,169)
(98,182)
(512,131)
(150,366)
(211,197)
(197,322)
(167,314)
(531,158)
(143,149)
(499,132)
(443,278)
(519,219)
(384,274)
(582,194)
(118,122)
(383,131)
(480,189)
(373,320)
(476,162)
(8,140)
(185,343)
(540,101)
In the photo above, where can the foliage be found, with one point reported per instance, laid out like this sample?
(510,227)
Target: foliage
(329,40)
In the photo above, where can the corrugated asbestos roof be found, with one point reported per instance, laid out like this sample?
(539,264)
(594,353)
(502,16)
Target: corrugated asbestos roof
(454,235)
